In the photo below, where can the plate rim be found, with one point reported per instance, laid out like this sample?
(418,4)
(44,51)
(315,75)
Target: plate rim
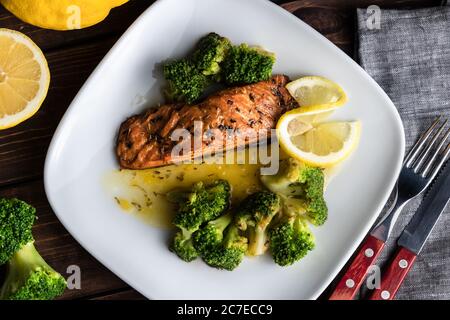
(59,134)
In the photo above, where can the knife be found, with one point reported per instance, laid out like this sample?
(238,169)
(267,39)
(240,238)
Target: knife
(415,235)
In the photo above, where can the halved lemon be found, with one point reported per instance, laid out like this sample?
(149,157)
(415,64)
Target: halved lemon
(315,94)
(24,78)
(61,14)
(317,144)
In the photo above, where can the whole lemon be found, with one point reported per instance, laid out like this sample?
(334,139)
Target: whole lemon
(61,14)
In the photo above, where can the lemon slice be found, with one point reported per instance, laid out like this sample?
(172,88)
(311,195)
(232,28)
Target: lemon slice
(316,94)
(317,144)
(24,78)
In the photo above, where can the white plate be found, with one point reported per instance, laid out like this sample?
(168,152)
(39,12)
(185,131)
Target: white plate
(82,152)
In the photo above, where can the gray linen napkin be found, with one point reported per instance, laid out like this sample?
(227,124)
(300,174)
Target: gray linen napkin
(409,56)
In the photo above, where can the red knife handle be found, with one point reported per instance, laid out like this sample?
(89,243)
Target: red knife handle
(350,283)
(394,275)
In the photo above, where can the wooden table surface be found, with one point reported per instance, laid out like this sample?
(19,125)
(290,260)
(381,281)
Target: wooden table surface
(72,56)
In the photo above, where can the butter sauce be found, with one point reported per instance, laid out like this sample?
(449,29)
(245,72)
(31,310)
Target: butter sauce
(142,193)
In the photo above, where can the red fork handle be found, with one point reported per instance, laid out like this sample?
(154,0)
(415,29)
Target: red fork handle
(350,283)
(394,275)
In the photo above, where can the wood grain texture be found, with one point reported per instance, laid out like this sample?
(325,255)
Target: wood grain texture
(72,56)
(394,275)
(128,294)
(116,23)
(351,282)
(335,19)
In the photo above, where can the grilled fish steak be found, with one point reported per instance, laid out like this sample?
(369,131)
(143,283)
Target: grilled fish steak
(235,114)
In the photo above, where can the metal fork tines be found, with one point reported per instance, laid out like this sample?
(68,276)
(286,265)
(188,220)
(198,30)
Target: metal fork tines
(420,167)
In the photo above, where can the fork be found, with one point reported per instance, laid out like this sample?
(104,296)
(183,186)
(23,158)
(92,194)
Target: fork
(419,169)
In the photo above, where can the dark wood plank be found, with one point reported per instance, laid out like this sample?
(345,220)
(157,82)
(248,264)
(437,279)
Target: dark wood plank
(116,23)
(128,294)
(335,19)
(353,4)
(59,249)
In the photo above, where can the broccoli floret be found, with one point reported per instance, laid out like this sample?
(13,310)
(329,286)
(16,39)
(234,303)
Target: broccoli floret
(16,220)
(244,64)
(185,82)
(224,258)
(254,216)
(290,240)
(230,253)
(210,52)
(183,246)
(204,203)
(28,276)
(211,235)
(200,205)
(220,244)
(301,189)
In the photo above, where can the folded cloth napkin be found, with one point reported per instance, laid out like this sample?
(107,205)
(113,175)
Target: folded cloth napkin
(408,54)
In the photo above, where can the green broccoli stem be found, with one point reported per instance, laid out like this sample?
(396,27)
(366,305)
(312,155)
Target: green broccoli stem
(22,264)
(183,245)
(222,222)
(233,239)
(26,260)
(257,241)
(231,236)
(212,234)
(300,224)
(186,235)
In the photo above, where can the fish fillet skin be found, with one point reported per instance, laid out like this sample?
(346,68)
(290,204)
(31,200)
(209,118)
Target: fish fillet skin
(227,119)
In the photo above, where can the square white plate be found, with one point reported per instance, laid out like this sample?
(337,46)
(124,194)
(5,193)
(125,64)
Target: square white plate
(82,151)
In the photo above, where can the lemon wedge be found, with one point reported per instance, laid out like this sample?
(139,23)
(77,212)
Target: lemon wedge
(317,94)
(24,78)
(317,144)
(303,134)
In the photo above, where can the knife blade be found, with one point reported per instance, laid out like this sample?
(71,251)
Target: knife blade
(436,199)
